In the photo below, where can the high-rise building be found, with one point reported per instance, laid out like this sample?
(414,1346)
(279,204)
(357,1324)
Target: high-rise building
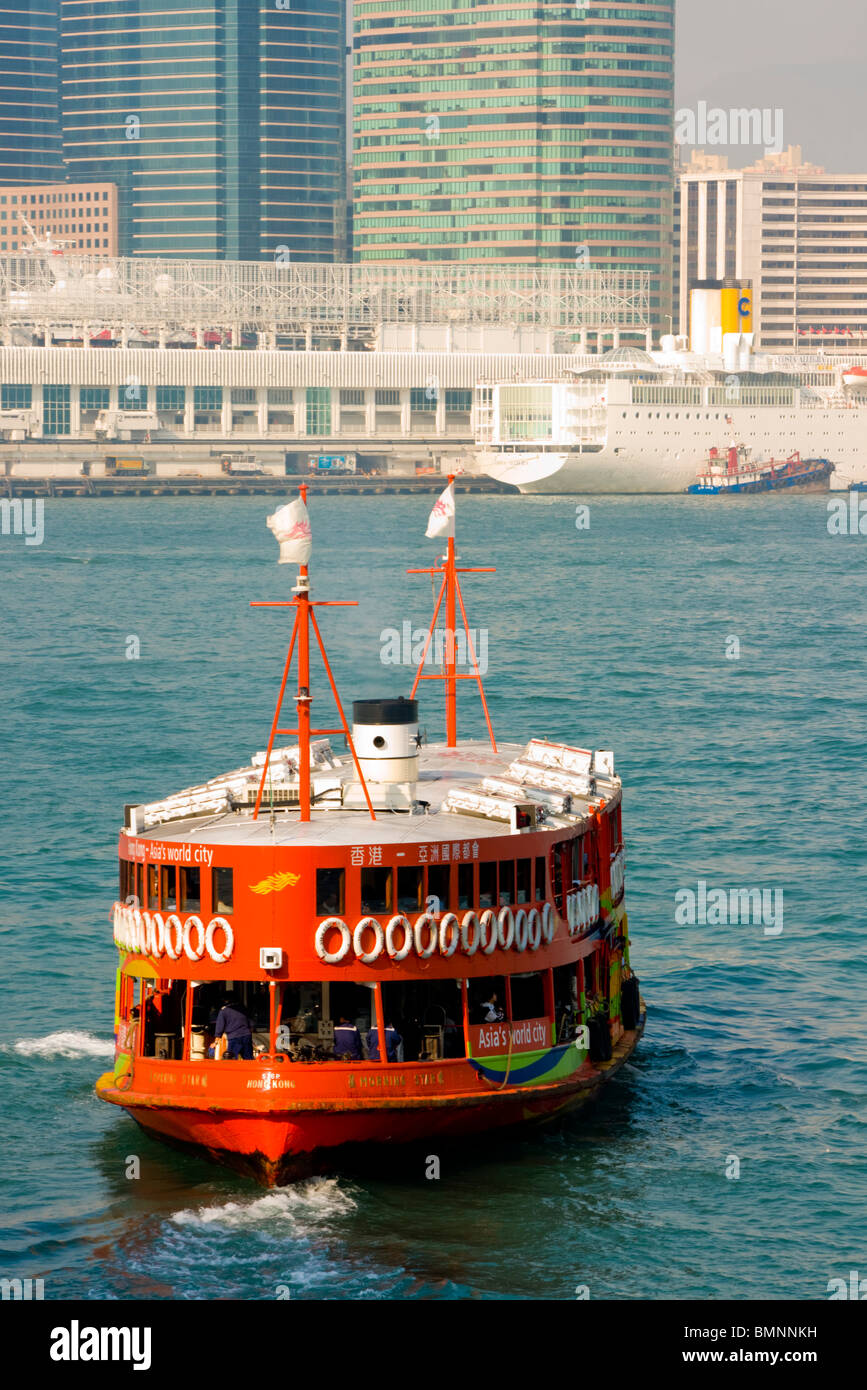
(221,122)
(513,132)
(29,108)
(800,236)
(79,216)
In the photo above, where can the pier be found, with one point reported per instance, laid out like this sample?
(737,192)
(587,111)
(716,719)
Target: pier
(240,486)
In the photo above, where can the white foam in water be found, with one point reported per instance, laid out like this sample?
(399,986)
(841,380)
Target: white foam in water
(317,1199)
(66,1044)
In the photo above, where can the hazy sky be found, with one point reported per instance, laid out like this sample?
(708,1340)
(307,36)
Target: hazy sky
(807,58)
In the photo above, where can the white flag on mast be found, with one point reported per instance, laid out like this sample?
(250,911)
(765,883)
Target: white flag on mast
(291,527)
(441,521)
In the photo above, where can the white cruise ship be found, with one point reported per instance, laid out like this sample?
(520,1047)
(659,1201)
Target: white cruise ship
(639,422)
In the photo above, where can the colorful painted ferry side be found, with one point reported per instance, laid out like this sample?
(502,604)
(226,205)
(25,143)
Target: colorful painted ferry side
(427,940)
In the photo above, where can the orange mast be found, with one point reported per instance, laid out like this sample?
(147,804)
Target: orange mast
(450,587)
(304,617)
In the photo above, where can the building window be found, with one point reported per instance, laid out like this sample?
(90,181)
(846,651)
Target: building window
(15,397)
(423,398)
(170,398)
(318,410)
(459,402)
(55,409)
(208,397)
(388,398)
(352,397)
(94,397)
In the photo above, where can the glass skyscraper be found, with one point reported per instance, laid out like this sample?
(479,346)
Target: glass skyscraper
(527,131)
(221,122)
(29,113)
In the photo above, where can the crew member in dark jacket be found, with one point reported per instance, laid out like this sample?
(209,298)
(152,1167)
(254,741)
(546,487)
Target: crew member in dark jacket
(393,1041)
(347,1042)
(233,1021)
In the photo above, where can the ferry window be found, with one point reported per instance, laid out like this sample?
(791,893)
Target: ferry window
(540,880)
(465,885)
(169,887)
(222,890)
(409,881)
(330,891)
(486,996)
(376,890)
(439,884)
(565,1000)
(557,873)
(507,883)
(487,885)
(524,893)
(139,884)
(153,886)
(614,821)
(191,893)
(123,878)
(528,996)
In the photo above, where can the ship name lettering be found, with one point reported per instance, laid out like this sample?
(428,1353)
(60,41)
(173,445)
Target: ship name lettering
(428,1078)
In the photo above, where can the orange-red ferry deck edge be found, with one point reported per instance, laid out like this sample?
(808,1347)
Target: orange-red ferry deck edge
(425,940)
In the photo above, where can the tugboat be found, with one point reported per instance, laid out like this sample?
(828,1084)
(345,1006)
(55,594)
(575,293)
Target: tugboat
(737,472)
(402,941)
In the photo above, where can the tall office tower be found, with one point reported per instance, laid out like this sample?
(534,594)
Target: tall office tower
(516,131)
(221,122)
(29,105)
(800,236)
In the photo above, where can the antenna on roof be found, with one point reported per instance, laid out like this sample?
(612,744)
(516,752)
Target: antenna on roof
(291,527)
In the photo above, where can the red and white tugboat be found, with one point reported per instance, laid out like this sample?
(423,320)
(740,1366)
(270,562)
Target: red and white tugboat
(462,901)
(734,471)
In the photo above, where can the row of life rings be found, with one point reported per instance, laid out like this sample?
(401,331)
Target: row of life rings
(149,934)
(582,908)
(485,931)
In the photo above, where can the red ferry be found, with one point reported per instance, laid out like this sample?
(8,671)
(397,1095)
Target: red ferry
(463,902)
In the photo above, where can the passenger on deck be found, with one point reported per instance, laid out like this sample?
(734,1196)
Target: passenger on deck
(233,1021)
(347,1042)
(393,1041)
(491,1011)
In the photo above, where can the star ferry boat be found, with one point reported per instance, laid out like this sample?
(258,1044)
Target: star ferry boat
(462,901)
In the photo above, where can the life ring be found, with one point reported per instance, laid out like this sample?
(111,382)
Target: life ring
(194,923)
(147,934)
(470,921)
(159,927)
(549,926)
(174,948)
(138,942)
(398,921)
(488,929)
(428,920)
(449,924)
(534,929)
(371,924)
(506,937)
(521,930)
(219,957)
(332,924)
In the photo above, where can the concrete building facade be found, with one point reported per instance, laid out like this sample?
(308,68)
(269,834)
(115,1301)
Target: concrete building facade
(798,233)
(81,216)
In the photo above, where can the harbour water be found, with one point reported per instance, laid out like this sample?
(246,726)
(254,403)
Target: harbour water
(718,648)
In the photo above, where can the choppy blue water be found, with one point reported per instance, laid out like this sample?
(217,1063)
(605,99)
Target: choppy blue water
(743,772)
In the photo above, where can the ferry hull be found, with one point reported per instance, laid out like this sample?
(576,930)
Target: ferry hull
(290,1142)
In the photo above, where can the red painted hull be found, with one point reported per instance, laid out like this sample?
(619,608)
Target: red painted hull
(282,1145)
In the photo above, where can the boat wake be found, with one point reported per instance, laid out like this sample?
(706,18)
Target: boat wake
(318,1200)
(64,1044)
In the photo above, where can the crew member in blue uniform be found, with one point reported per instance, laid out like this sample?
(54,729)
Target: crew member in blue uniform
(233,1021)
(347,1042)
(393,1041)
